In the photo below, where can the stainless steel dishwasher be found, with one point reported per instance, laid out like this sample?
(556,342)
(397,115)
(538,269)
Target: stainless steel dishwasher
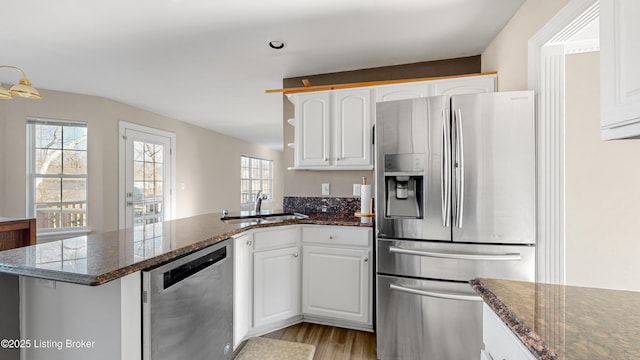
(187,306)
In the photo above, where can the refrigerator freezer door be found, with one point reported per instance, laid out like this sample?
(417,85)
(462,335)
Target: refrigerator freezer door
(454,261)
(411,129)
(430,320)
(494,178)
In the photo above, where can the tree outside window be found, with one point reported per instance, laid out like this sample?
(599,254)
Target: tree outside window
(58,174)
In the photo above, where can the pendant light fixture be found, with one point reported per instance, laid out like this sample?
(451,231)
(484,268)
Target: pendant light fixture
(22,89)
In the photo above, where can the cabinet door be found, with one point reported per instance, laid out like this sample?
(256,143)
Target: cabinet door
(276,291)
(499,341)
(402,91)
(312,129)
(352,121)
(242,288)
(465,85)
(619,71)
(336,283)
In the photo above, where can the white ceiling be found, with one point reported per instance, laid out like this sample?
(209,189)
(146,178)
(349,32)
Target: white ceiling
(207,61)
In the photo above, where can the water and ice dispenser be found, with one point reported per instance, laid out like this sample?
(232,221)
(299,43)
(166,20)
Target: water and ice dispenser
(404,178)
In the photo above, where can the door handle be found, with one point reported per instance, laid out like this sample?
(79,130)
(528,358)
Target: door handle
(445,171)
(457,256)
(439,295)
(460,161)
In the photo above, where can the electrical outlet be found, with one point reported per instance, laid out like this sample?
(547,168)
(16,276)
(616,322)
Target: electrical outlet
(356,189)
(325,189)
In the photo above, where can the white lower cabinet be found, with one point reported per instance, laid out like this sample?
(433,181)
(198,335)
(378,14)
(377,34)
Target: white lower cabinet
(273,278)
(337,275)
(276,275)
(276,287)
(336,283)
(499,342)
(242,287)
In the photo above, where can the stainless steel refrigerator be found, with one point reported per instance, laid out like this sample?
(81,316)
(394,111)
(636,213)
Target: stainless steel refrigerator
(455,199)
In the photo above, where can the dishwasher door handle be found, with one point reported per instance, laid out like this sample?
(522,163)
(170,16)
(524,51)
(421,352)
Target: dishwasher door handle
(456,256)
(181,272)
(439,295)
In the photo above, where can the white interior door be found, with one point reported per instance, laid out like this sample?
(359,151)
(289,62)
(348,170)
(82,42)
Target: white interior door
(147,172)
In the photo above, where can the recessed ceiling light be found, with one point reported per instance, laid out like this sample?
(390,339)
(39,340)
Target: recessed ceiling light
(276,44)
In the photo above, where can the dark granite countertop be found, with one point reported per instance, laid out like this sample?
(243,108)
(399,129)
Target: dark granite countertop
(99,258)
(567,322)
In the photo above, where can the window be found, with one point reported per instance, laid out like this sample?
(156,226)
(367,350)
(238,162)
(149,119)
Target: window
(255,175)
(57,186)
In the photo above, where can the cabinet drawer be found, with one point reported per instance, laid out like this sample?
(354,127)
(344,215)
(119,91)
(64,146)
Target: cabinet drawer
(275,238)
(337,235)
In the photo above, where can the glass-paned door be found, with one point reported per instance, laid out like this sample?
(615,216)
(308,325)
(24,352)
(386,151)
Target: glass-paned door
(147,181)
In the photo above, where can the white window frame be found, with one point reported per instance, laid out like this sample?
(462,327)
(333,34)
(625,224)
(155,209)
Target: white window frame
(122,128)
(250,179)
(49,233)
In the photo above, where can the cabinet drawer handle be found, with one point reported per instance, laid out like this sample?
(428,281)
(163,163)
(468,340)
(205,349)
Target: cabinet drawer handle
(326,159)
(295,254)
(249,243)
(366,259)
(331,237)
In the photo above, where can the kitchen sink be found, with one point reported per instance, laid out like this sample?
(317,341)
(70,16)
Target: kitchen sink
(254,219)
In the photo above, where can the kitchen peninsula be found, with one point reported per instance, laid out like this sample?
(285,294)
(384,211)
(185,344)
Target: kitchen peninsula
(101,258)
(88,288)
(565,322)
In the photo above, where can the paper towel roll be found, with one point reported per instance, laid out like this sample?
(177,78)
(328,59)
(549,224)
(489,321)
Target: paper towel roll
(365,202)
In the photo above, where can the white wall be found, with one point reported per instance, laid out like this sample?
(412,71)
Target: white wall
(106,316)
(602,188)
(602,192)
(507,53)
(208,163)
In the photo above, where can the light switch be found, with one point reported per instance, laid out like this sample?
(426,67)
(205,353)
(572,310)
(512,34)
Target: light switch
(356,189)
(325,189)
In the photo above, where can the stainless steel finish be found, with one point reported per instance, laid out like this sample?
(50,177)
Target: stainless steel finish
(405,128)
(225,212)
(188,312)
(478,217)
(445,171)
(404,164)
(253,219)
(459,170)
(366,259)
(409,259)
(412,326)
(457,256)
(258,202)
(434,294)
(498,189)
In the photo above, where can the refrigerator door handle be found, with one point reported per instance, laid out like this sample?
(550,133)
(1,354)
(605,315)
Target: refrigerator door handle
(434,294)
(456,256)
(445,172)
(460,168)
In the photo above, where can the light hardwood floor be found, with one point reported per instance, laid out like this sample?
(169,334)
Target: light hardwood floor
(331,343)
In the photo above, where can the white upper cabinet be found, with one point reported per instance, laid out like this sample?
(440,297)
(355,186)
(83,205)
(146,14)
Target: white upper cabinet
(619,70)
(402,91)
(312,133)
(333,130)
(352,119)
(465,85)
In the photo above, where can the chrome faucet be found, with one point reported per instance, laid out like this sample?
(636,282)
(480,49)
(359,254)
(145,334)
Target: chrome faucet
(258,203)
